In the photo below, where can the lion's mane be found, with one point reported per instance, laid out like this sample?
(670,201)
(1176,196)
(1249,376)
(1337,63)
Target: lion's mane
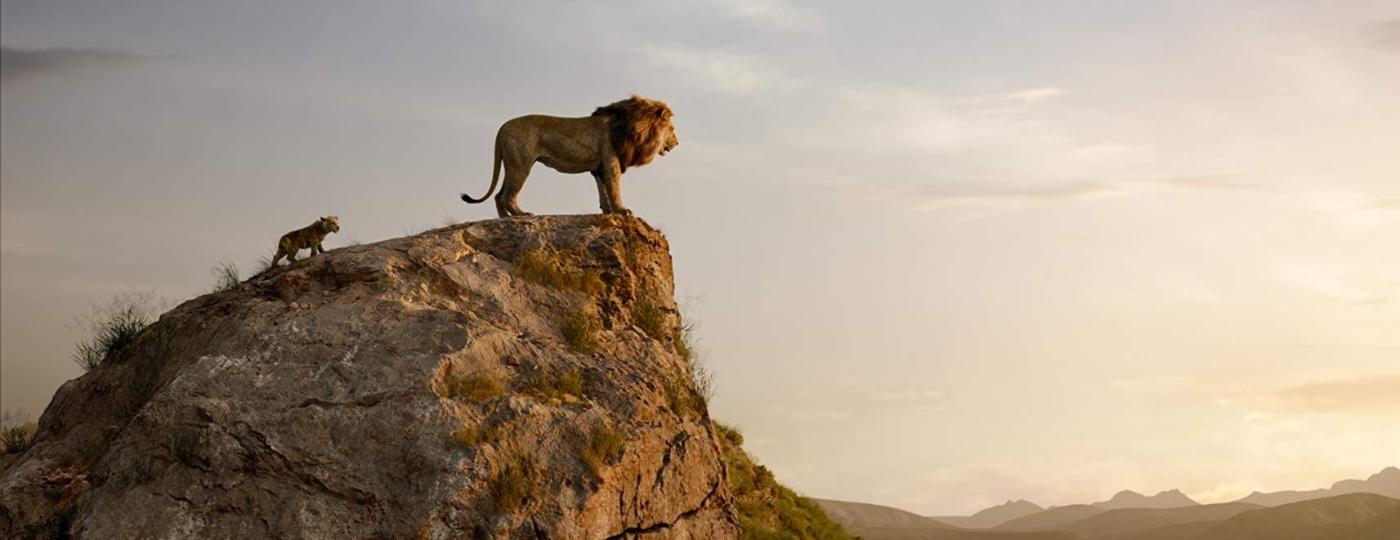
(637,128)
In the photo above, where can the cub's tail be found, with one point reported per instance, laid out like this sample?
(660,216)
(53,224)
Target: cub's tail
(495,175)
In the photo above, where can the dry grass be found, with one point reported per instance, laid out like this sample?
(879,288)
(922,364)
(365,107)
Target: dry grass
(580,330)
(470,435)
(16,432)
(467,435)
(112,327)
(545,268)
(226,277)
(648,315)
(546,385)
(514,483)
(681,398)
(604,447)
(264,264)
(476,388)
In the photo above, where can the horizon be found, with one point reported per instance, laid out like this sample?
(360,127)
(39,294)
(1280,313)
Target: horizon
(939,256)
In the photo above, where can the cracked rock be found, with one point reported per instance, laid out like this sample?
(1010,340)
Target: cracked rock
(428,392)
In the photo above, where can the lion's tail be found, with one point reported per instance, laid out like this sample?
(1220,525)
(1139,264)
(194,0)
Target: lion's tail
(495,176)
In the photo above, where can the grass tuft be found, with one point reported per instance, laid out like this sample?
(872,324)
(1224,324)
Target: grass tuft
(580,330)
(514,483)
(681,398)
(112,327)
(264,264)
(604,447)
(476,388)
(648,315)
(547,386)
(226,277)
(16,433)
(545,268)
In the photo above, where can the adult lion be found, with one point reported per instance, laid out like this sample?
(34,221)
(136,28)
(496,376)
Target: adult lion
(625,134)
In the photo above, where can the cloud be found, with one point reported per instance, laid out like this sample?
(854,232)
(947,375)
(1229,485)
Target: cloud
(1385,34)
(909,395)
(774,14)
(1023,96)
(1367,394)
(986,197)
(16,64)
(1330,282)
(1382,204)
(722,72)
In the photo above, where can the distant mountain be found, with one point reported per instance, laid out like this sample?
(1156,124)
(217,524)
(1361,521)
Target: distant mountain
(855,514)
(1051,519)
(1356,516)
(876,522)
(1133,499)
(993,516)
(1128,522)
(1386,482)
(955,534)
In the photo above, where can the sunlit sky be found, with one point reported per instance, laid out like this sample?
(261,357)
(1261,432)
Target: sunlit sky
(941,254)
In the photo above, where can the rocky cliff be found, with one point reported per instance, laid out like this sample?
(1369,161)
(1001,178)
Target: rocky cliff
(518,378)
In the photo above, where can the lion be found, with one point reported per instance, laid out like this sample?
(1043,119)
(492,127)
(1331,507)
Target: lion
(308,237)
(628,133)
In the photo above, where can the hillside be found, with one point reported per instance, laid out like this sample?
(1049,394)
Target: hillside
(519,378)
(1051,519)
(993,516)
(866,515)
(767,509)
(877,522)
(1127,522)
(1386,482)
(1344,517)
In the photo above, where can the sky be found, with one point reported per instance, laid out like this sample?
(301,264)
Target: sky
(940,254)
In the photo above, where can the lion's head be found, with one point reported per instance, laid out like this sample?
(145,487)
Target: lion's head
(641,129)
(330,224)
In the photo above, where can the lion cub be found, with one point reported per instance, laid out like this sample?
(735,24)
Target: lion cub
(308,237)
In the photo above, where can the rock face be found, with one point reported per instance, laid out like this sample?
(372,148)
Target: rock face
(413,388)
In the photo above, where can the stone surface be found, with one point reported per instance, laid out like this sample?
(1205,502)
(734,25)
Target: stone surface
(318,401)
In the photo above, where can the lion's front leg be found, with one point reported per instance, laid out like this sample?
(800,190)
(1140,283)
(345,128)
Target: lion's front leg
(610,186)
(604,196)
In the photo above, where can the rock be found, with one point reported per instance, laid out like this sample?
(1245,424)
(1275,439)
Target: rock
(412,400)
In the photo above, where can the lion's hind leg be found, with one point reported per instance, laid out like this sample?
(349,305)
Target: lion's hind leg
(507,201)
(283,246)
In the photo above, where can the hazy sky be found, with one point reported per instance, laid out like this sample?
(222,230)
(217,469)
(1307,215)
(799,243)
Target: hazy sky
(941,254)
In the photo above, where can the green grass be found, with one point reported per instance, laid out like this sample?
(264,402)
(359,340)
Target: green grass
(476,388)
(548,385)
(604,447)
(112,327)
(768,510)
(580,330)
(545,268)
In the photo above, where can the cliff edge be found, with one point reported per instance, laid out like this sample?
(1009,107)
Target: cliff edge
(520,378)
